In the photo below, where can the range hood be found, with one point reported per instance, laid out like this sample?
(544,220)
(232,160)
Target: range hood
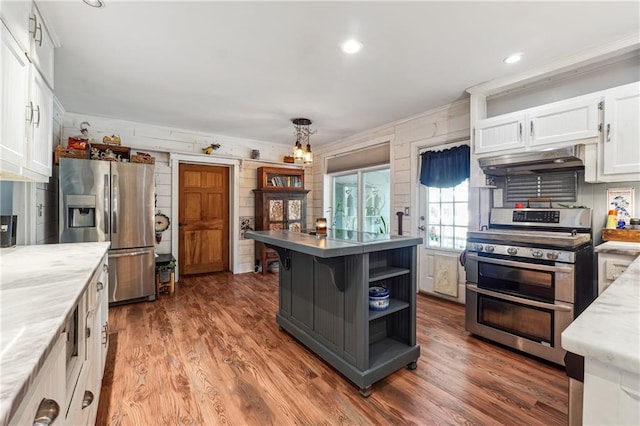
(569,158)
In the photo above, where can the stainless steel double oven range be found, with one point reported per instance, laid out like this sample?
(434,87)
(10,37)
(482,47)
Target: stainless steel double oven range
(528,276)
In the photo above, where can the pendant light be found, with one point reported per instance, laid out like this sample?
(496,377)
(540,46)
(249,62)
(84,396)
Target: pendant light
(302,133)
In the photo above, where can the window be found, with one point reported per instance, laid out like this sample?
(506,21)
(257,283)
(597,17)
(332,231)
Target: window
(448,216)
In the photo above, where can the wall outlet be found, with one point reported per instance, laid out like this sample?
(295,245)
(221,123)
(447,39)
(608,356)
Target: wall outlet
(406,211)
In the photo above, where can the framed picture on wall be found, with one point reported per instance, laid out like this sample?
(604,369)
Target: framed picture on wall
(621,200)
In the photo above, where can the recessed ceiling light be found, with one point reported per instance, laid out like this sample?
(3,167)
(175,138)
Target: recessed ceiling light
(94,3)
(512,59)
(351,46)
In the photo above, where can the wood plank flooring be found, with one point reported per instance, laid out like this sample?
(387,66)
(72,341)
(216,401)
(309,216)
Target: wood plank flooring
(213,354)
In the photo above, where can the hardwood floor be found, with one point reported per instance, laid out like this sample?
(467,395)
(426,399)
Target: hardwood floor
(213,354)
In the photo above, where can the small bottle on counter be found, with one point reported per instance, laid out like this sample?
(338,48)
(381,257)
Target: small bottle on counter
(612,219)
(634,223)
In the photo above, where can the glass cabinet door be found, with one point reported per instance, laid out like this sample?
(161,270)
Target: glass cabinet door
(294,215)
(377,211)
(345,202)
(276,213)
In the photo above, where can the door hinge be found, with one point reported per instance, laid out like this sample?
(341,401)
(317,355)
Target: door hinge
(600,127)
(601,105)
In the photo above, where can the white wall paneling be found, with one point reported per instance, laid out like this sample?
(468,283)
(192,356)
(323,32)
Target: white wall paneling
(170,147)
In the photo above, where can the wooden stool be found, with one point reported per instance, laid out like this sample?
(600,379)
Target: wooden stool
(165,263)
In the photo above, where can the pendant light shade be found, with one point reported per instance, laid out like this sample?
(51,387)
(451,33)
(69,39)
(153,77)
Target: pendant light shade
(302,133)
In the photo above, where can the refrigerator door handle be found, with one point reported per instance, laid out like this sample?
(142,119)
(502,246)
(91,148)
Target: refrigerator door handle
(106,204)
(114,212)
(131,253)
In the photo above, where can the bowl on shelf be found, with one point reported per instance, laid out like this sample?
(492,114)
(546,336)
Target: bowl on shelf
(378,298)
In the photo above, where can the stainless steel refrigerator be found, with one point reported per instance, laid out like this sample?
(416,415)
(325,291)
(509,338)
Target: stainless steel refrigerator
(112,201)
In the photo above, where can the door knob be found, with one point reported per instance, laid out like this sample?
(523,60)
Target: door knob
(422,228)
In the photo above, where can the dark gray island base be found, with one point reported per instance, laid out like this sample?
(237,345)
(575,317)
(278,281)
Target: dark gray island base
(324,299)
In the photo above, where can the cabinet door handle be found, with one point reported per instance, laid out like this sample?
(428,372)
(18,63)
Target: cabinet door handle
(38,110)
(33,19)
(531,128)
(38,28)
(87,400)
(609,132)
(47,413)
(519,131)
(30,107)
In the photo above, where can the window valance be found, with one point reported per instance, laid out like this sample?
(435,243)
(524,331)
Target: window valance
(446,168)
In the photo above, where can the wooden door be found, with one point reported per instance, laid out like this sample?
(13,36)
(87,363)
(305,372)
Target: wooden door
(203,236)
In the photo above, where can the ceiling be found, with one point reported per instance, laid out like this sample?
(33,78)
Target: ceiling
(245,69)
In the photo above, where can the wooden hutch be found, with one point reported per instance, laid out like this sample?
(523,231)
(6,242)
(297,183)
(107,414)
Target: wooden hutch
(281,203)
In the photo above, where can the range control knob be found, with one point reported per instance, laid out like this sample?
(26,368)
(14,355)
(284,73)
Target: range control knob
(552,255)
(512,251)
(536,253)
(477,247)
(489,249)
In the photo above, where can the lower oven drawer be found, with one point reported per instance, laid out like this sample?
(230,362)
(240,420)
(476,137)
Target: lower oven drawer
(531,326)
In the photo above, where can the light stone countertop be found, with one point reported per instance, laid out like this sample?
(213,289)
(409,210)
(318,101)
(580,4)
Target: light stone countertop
(609,329)
(619,247)
(39,286)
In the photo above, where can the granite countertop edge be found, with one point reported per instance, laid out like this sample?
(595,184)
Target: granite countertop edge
(608,331)
(619,247)
(39,286)
(326,246)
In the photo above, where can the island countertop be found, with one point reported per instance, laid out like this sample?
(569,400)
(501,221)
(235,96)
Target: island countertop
(39,286)
(336,243)
(609,329)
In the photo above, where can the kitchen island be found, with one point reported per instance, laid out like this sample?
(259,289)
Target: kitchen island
(324,299)
(607,335)
(39,287)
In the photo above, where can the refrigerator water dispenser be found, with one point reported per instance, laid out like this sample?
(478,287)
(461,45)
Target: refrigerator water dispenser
(82,211)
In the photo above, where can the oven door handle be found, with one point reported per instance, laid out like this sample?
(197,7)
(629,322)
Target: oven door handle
(551,306)
(473,256)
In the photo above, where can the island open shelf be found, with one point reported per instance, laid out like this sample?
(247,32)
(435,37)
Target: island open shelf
(324,299)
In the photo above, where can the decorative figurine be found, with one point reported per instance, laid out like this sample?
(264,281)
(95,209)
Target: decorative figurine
(209,149)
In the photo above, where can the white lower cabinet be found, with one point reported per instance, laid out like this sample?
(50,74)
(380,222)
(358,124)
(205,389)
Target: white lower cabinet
(48,394)
(610,267)
(611,395)
(83,404)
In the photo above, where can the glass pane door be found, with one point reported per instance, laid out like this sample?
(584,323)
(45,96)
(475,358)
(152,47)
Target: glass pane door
(294,215)
(377,210)
(345,201)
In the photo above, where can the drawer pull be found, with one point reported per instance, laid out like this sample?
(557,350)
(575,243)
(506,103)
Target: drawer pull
(87,400)
(105,334)
(47,413)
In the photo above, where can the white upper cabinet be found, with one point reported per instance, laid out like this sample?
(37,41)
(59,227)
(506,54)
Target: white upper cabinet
(570,120)
(15,15)
(26,108)
(41,47)
(14,69)
(40,131)
(620,153)
(565,121)
(500,133)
